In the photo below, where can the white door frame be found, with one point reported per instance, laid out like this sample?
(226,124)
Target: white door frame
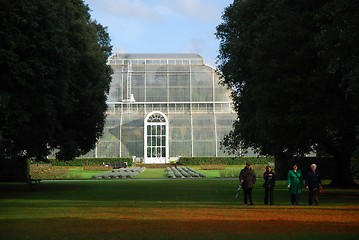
(156,149)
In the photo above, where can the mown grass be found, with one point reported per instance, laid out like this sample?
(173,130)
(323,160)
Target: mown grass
(86,172)
(152,173)
(169,209)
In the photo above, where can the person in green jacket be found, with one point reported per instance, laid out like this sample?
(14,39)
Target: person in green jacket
(295,184)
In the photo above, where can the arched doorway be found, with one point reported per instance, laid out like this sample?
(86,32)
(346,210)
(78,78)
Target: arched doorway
(156,138)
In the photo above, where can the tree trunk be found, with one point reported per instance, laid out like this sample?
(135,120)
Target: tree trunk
(14,170)
(343,175)
(342,153)
(281,166)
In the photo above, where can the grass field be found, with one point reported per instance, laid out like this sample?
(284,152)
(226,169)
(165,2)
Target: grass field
(82,173)
(169,209)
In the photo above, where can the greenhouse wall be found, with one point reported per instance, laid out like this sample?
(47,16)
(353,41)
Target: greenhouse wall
(162,106)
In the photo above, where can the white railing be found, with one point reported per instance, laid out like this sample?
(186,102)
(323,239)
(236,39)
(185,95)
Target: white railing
(169,107)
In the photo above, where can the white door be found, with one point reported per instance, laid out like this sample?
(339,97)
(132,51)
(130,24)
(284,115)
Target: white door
(156,138)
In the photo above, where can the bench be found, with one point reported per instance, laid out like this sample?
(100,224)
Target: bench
(33,182)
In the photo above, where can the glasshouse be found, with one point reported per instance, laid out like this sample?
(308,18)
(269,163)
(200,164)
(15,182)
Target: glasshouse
(163,106)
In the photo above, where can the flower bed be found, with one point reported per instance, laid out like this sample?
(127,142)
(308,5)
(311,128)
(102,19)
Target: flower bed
(183,172)
(120,173)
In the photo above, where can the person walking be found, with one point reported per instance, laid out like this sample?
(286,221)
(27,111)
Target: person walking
(313,183)
(247,178)
(269,182)
(295,184)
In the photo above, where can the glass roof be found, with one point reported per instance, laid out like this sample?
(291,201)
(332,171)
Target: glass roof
(156,56)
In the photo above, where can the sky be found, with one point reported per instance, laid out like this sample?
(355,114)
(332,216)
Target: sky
(162,26)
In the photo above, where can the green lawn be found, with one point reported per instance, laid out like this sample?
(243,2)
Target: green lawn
(169,209)
(153,173)
(79,173)
(82,173)
(161,173)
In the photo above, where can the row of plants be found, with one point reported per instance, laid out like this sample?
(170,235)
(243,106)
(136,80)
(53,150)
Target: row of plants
(183,172)
(86,161)
(181,161)
(224,160)
(120,173)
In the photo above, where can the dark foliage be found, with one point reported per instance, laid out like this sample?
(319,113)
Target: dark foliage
(293,69)
(54,78)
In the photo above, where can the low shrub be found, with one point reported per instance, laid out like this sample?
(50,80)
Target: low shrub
(170,173)
(224,160)
(259,169)
(213,167)
(182,172)
(120,173)
(97,168)
(87,161)
(46,171)
(196,172)
(177,173)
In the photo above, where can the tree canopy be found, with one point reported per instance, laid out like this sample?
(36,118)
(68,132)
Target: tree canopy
(293,70)
(54,78)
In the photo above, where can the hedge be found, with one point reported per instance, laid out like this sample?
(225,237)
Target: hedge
(87,161)
(224,160)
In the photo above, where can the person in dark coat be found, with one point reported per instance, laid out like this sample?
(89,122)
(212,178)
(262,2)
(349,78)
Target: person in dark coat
(313,183)
(269,182)
(247,178)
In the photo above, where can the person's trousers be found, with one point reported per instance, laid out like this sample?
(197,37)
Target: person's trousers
(295,198)
(247,194)
(268,196)
(313,196)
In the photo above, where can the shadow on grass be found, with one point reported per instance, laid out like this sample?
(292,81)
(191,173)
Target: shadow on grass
(170,209)
(203,191)
(80,228)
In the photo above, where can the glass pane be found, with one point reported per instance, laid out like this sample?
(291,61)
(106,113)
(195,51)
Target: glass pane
(154,152)
(159,154)
(163,152)
(204,148)
(180,148)
(158,132)
(148,152)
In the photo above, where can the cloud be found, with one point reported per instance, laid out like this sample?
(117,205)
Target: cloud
(196,45)
(161,25)
(133,9)
(204,10)
(157,10)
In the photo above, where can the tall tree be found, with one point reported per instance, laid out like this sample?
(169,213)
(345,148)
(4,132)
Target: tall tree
(54,78)
(292,85)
